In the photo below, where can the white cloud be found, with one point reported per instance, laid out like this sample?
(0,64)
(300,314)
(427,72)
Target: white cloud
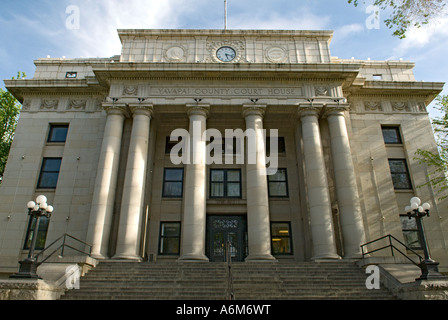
(99,21)
(97,35)
(348,30)
(428,37)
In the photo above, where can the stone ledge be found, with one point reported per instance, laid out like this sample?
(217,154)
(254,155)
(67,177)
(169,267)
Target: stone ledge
(29,290)
(58,275)
(398,275)
(424,290)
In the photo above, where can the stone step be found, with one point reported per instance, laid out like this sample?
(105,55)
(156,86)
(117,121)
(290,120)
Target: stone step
(198,281)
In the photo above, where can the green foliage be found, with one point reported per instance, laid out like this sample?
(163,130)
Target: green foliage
(438,162)
(9,114)
(408,13)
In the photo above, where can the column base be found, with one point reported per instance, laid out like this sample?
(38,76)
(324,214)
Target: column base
(99,256)
(355,256)
(193,258)
(326,257)
(260,258)
(127,257)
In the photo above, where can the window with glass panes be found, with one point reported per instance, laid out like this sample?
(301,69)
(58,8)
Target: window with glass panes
(58,133)
(400,174)
(281,238)
(173,180)
(41,233)
(278,184)
(281,147)
(391,134)
(169,243)
(49,173)
(225,183)
(410,232)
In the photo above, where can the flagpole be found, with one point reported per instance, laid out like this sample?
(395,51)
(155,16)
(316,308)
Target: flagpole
(225,14)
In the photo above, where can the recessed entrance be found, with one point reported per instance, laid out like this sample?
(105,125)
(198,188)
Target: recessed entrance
(221,229)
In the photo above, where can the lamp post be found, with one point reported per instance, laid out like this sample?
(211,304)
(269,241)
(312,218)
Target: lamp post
(429,268)
(28,266)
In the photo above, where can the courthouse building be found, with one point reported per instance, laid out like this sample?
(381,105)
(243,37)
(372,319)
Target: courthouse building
(94,138)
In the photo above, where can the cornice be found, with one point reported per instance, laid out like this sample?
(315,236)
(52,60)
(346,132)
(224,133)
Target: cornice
(220,33)
(344,73)
(27,87)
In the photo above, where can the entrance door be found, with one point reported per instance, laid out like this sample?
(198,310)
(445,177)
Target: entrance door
(221,229)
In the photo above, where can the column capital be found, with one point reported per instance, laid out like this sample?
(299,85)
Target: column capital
(306,110)
(145,109)
(201,109)
(335,110)
(257,110)
(115,108)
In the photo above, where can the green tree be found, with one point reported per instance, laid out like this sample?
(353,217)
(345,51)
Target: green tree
(438,161)
(407,13)
(9,115)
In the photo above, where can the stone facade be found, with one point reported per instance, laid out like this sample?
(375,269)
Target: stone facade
(336,188)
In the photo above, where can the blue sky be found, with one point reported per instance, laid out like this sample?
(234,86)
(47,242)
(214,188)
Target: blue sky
(32,29)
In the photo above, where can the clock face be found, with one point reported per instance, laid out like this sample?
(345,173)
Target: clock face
(226,54)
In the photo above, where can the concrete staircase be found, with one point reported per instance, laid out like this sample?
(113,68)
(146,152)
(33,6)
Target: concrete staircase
(209,281)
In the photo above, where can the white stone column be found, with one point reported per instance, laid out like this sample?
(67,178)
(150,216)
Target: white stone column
(346,187)
(129,229)
(317,187)
(100,220)
(194,219)
(258,221)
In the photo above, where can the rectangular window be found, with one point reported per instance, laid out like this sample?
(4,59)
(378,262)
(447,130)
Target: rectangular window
(58,133)
(281,147)
(49,173)
(281,238)
(225,183)
(391,135)
(278,184)
(170,144)
(173,180)
(169,243)
(228,146)
(377,77)
(400,174)
(41,233)
(410,232)
(71,75)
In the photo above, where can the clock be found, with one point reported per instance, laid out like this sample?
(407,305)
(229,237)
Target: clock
(226,54)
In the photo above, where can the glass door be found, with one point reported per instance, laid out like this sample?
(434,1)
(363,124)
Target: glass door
(223,229)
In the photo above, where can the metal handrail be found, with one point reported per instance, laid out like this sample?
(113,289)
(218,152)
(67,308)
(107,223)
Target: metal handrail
(392,247)
(62,247)
(230,289)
